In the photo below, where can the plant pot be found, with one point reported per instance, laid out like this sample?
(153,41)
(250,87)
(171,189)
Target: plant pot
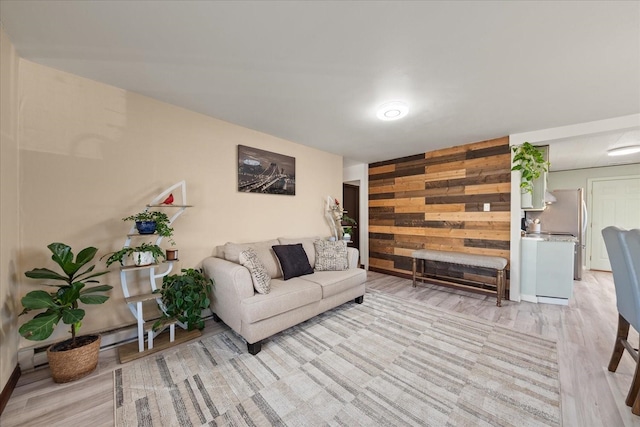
(70,365)
(346,237)
(526,200)
(143,258)
(146,227)
(171,255)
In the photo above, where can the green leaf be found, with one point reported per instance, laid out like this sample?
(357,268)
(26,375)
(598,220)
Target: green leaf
(62,256)
(45,273)
(86,255)
(101,288)
(93,299)
(40,327)
(85,279)
(69,294)
(35,300)
(72,316)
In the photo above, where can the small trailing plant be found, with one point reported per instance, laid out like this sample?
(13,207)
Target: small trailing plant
(63,303)
(163,228)
(531,163)
(184,296)
(119,256)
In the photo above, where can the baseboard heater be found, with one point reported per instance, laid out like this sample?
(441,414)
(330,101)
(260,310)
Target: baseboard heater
(32,358)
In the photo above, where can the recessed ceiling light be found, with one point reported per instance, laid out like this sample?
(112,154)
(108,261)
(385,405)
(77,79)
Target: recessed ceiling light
(623,151)
(392,110)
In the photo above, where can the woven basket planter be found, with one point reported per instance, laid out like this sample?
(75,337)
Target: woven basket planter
(70,365)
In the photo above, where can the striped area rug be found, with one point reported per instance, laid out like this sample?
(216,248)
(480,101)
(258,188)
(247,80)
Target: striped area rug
(387,362)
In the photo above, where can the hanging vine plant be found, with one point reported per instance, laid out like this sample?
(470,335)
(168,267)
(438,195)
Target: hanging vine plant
(530,161)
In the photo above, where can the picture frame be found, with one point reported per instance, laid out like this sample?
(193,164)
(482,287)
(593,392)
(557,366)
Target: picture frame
(266,172)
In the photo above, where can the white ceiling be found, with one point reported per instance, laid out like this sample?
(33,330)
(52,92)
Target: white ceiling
(314,72)
(590,151)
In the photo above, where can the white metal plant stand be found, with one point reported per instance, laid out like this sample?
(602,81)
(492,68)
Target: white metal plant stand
(135,302)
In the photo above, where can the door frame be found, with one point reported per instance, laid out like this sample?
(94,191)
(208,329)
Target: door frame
(353,213)
(590,181)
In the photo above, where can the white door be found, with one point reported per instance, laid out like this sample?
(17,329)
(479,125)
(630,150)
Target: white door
(614,201)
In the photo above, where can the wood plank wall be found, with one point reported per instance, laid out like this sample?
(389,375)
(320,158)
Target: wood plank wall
(435,201)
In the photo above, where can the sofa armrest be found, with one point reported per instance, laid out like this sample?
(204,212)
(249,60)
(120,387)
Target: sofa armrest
(352,257)
(232,285)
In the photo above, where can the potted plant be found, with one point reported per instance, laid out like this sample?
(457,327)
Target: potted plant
(171,254)
(347,226)
(149,222)
(531,163)
(144,254)
(76,357)
(184,296)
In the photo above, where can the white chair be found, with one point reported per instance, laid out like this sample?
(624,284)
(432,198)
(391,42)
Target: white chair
(623,248)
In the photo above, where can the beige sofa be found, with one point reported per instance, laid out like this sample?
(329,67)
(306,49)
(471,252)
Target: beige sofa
(257,316)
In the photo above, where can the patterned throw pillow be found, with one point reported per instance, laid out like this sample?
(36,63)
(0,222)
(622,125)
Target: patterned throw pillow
(259,274)
(331,256)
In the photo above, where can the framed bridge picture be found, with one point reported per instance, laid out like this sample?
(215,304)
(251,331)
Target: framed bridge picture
(261,171)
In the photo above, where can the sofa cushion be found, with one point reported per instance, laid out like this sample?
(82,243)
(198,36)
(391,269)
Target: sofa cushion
(293,260)
(259,274)
(335,282)
(331,256)
(307,244)
(262,249)
(284,296)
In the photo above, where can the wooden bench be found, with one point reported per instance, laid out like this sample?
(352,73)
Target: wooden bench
(496,263)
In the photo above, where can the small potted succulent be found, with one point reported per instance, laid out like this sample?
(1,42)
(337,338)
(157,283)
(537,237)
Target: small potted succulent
(184,296)
(143,254)
(76,357)
(150,222)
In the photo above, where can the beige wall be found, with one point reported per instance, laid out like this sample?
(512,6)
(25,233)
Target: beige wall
(92,154)
(8,208)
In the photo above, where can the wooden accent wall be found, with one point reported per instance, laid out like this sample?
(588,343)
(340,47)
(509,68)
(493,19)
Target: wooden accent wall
(435,201)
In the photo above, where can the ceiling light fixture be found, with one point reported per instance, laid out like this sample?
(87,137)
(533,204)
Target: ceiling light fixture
(623,151)
(392,110)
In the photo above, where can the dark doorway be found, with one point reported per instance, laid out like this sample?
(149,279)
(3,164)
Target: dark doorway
(351,203)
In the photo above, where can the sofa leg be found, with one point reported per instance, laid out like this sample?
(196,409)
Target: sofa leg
(255,347)
(216,318)
(359,300)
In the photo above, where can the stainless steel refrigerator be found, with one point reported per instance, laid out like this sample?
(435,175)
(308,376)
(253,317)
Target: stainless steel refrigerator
(567,215)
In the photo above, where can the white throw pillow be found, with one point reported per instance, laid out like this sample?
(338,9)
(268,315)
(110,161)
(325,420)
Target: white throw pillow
(259,275)
(331,256)
(262,249)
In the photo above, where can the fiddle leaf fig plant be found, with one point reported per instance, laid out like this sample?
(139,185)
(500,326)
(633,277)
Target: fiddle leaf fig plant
(184,296)
(63,303)
(530,161)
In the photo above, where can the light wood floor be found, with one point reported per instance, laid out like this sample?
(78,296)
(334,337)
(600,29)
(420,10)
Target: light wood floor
(591,396)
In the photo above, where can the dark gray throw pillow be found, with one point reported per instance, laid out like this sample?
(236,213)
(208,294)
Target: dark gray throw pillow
(293,260)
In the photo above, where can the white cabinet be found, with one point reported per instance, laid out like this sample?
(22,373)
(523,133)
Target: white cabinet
(555,269)
(547,270)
